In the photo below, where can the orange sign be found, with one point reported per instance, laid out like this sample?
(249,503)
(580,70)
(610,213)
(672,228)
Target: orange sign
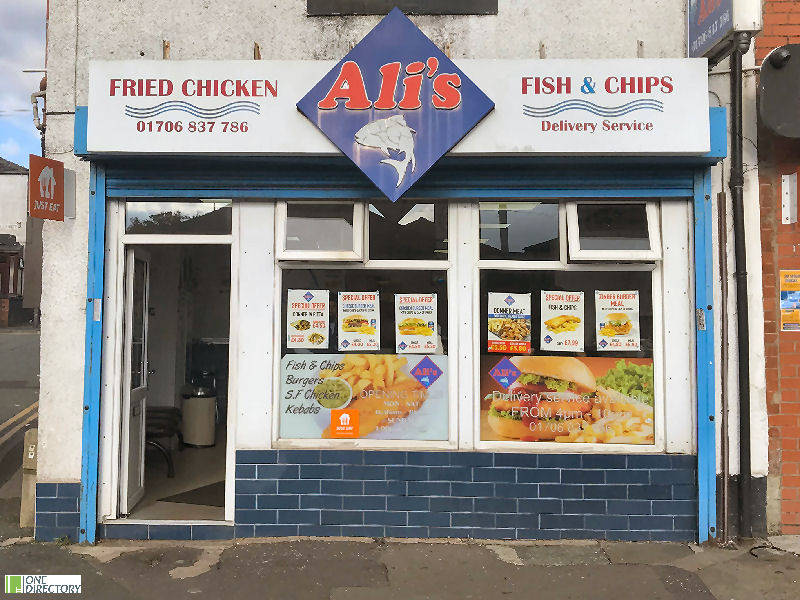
(344,423)
(46,188)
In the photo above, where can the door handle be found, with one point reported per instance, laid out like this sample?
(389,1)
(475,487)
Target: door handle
(135,411)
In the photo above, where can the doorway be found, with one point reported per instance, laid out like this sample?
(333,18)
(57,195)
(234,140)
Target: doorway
(175,361)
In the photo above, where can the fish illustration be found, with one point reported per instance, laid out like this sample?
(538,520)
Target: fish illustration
(392,133)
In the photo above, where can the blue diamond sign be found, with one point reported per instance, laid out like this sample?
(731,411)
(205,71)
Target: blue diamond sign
(426,372)
(505,373)
(395,104)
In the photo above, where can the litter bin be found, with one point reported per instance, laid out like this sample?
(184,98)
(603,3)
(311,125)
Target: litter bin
(199,416)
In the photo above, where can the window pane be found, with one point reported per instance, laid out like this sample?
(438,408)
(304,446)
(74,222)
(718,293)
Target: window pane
(380,394)
(407,231)
(519,231)
(613,400)
(204,217)
(137,322)
(613,227)
(319,227)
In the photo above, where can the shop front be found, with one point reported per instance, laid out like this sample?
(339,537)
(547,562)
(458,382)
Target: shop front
(508,341)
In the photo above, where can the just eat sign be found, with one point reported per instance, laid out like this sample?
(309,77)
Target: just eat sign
(45,188)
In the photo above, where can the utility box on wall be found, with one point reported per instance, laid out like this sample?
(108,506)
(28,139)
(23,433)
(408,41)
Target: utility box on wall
(789,198)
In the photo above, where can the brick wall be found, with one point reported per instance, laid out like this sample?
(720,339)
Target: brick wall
(57,514)
(780,247)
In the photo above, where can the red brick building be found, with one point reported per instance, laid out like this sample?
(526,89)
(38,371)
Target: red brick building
(780,247)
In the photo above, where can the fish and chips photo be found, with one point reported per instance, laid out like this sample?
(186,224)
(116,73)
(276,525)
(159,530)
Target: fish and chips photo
(563,323)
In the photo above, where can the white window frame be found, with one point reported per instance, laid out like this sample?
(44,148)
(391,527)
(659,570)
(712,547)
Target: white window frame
(453,309)
(653,231)
(359,233)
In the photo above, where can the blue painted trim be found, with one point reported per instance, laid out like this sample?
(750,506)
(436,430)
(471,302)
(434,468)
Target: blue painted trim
(79,144)
(93,356)
(718,125)
(704,301)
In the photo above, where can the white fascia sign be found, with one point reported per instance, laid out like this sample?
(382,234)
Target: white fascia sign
(543,107)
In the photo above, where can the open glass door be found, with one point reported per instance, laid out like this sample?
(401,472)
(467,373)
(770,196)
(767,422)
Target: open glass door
(134,396)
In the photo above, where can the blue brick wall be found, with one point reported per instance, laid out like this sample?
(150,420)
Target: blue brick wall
(465,495)
(57,511)
(144,531)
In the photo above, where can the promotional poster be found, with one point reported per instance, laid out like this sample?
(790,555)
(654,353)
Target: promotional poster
(307,316)
(509,323)
(375,396)
(562,321)
(617,321)
(415,323)
(359,321)
(600,400)
(790,300)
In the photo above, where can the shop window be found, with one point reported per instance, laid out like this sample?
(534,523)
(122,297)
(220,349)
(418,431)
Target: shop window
(613,231)
(520,231)
(197,217)
(320,230)
(406,230)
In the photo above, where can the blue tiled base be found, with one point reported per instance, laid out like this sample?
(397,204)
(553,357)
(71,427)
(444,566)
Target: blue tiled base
(465,495)
(57,512)
(134,531)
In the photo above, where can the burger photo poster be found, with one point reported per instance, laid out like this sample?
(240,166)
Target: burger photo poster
(590,399)
(415,323)
(617,321)
(359,321)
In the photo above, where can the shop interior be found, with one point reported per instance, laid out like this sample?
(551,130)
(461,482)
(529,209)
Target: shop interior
(188,324)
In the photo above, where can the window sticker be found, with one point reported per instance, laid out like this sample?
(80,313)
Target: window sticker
(373,396)
(617,321)
(562,321)
(359,321)
(307,318)
(415,323)
(509,323)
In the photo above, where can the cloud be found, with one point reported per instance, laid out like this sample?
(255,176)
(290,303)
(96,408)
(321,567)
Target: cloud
(10,147)
(22,46)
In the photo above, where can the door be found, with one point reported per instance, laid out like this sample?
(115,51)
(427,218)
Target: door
(134,395)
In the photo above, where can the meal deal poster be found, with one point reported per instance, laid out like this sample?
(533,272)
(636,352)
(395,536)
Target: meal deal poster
(790,300)
(359,321)
(562,321)
(617,320)
(374,396)
(557,398)
(415,323)
(307,315)
(509,323)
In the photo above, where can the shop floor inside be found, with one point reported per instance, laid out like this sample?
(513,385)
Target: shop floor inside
(197,492)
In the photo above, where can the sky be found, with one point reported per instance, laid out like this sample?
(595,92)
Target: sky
(22,46)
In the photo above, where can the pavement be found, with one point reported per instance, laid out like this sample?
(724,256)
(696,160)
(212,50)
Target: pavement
(383,569)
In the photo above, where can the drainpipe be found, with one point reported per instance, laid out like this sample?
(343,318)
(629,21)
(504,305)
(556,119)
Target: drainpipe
(736,184)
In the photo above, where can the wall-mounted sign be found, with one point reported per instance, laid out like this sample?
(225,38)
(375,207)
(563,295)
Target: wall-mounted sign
(395,104)
(46,193)
(245,107)
(712,23)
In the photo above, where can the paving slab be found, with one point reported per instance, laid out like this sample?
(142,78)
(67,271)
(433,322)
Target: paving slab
(557,556)
(787,543)
(651,553)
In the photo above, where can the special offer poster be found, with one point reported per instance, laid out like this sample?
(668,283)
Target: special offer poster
(359,321)
(509,323)
(415,323)
(562,321)
(617,321)
(307,313)
(374,396)
(790,300)
(597,400)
